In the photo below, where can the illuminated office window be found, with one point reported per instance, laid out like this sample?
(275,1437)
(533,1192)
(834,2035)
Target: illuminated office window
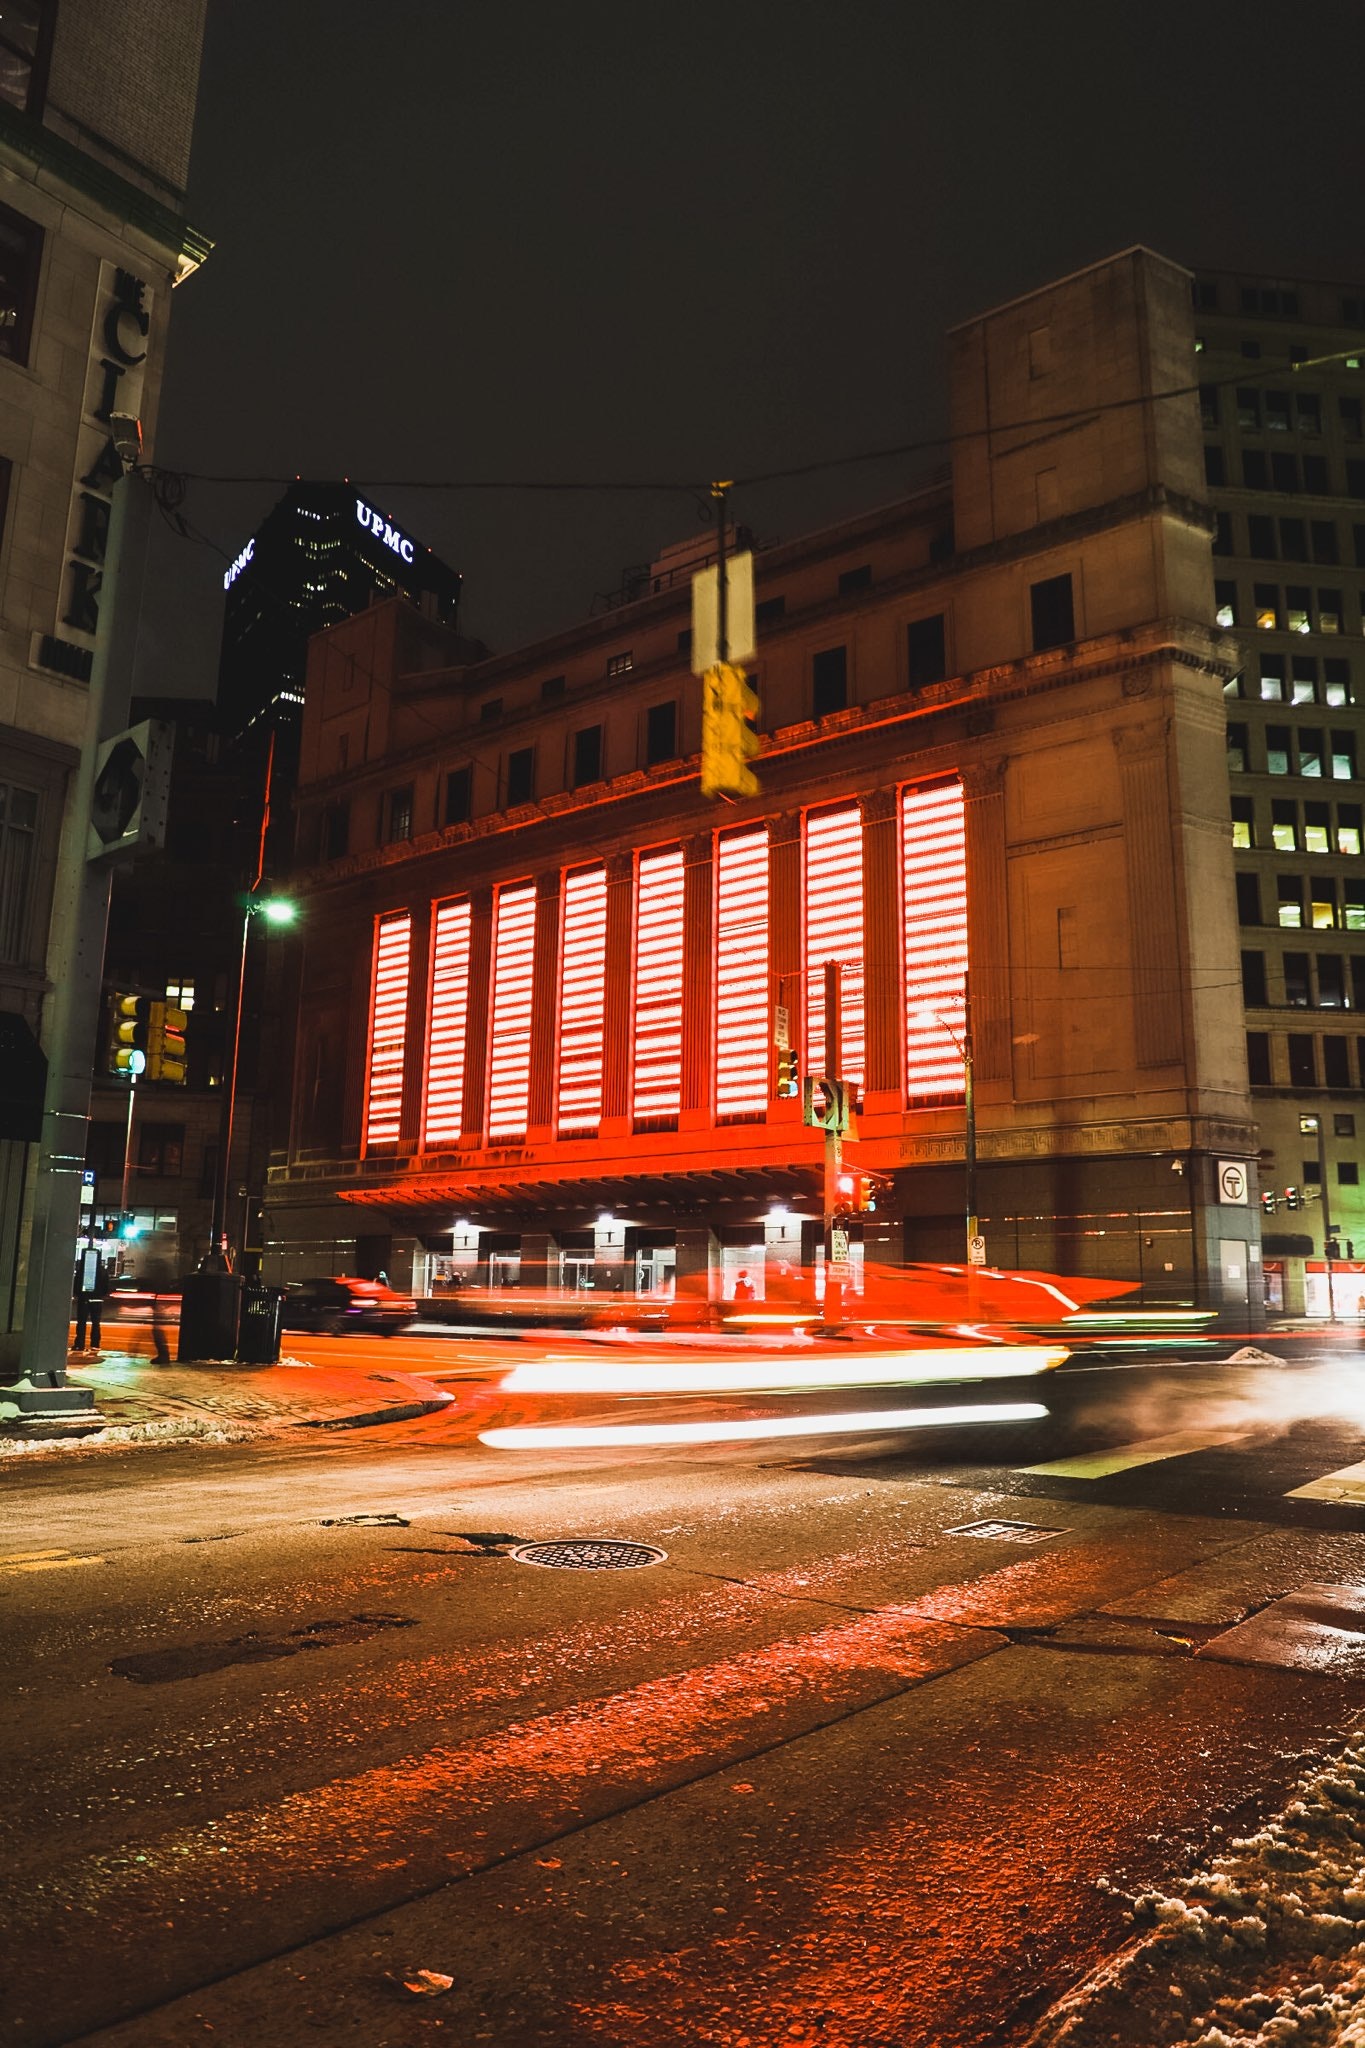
(388,1030)
(443,1112)
(657,1085)
(509,1038)
(582,990)
(934,885)
(742,974)
(833,907)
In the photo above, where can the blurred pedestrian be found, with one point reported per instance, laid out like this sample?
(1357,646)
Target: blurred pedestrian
(91,1286)
(744,1288)
(160,1284)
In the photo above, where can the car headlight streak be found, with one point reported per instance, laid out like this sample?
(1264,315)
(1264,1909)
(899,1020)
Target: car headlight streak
(592,1436)
(565,1374)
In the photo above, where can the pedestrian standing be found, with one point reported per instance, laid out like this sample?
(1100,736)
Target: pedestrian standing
(160,1282)
(91,1283)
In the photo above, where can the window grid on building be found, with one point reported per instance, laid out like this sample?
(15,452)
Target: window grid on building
(834,931)
(934,885)
(582,994)
(742,975)
(443,1111)
(658,986)
(509,1043)
(388,1030)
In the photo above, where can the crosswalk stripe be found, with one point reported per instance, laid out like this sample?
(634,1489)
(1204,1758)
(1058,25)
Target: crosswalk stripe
(44,1561)
(1150,1451)
(1347,1484)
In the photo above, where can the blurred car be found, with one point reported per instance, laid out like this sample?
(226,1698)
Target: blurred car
(332,1308)
(130,1300)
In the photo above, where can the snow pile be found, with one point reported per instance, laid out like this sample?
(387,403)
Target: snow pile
(1263,1949)
(162,1435)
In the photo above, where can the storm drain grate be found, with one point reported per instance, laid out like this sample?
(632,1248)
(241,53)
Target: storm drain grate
(590,1554)
(1007,1532)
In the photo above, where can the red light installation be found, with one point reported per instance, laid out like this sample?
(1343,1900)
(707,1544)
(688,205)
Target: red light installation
(582,992)
(742,1032)
(509,1040)
(934,886)
(443,1110)
(658,992)
(833,907)
(388,1030)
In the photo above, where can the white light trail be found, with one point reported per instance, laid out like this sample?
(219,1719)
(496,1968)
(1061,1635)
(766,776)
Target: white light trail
(590,1436)
(561,1374)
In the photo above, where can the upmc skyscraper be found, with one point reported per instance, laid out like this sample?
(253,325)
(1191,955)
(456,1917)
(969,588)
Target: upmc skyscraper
(325,553)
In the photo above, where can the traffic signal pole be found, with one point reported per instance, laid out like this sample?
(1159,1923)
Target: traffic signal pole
(836,1234)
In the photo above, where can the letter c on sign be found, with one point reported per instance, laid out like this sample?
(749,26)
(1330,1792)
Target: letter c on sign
(405,549)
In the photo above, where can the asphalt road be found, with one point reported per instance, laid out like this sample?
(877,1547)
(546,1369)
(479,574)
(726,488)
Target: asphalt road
(286,1727)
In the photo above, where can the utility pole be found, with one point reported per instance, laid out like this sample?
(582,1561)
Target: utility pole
(976,1244)
(718,491)
(836,1224)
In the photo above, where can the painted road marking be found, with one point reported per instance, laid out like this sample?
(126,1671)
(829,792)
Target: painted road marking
(43,1561)
(1150,1451)
(1347,1484)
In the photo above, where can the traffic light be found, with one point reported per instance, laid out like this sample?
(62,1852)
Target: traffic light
(788,1078)
(728,739)
(1291,1198)
(130,1018)
(166,1043)
(1270,1201)
(857,1192)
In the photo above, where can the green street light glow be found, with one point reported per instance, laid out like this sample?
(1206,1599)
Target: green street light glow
(278,910)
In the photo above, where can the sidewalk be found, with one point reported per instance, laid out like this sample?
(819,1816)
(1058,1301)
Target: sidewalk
(139,1401)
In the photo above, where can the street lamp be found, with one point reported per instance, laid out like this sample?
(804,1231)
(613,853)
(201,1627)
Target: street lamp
(277,911)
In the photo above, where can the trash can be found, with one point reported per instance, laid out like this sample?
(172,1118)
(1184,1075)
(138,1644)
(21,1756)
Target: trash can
(258,1326)
(208,1315)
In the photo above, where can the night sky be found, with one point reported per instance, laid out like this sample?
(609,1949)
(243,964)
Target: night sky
(617,242)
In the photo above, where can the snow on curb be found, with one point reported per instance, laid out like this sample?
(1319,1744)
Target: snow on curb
(1263,1949)
(164,1435)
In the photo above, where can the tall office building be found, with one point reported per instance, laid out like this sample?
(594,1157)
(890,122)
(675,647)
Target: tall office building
(97,105)
(1281,367)
(324,553)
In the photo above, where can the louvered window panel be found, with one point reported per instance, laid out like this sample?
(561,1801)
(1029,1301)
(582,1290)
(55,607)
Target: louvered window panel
(658,988)
(582,988)
(742,974)
(509,1040)
(443,1111)
(934,890)
(833,905)
(388,1030)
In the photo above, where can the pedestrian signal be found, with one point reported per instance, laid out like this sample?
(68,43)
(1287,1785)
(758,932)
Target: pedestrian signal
(129,1022)
(825,1104)
(166,1043)
(728,739)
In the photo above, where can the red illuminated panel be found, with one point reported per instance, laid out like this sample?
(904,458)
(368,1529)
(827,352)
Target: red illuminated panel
(443,1111)
(833,904)
(658,984)
(509,1045)
(388,1030)
(934,884)
(582,988)
(742,974)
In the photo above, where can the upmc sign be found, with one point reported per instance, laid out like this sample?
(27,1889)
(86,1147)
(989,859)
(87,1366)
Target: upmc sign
(375,523)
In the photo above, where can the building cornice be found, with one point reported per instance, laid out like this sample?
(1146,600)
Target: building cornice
(47,152)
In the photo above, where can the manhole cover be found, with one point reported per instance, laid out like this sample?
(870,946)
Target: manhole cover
(1006,1532)
(592,1554)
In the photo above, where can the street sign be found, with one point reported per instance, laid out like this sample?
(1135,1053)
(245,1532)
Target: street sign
(825,1104)
(739,613)
(1232,1182)
(976,1251)
(782,1027)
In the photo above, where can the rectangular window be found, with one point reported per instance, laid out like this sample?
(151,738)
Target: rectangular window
(1331,984)
(1294,540)
(1237,749)
(1348,829)
(1304,688)
(769,610)
(1298,604)
(1325,545)
(551,687)
(1248,899)
(1243,822)
(161,1150)
(1258,1058)
(1208,404)
(1317,825)
(934,903)
(443,1109)
(1248,408)
(620,664)
(388,1030)
(1336,1066)
(1284,472)
(1215,466)
(661,733)
(1353,903)
(521,776)
(829,681)
(490,709)
(587,756)
(1310,751)
(582,993)
(1297,992)
(1343,1124)
(1261,537)
(509,1037)
(1255,471)
(336,830)
(853,580)
(1225,603)
(21,255)
(18,840)
(1344,756)
(1322,902)
(1289,894)
(742,975)
(1308,412)
(1352,421)
(1052,611)
(398,815)
(1348,1170)
(1303,1061)
(657,1082)
(1253,980)
(1277,750)
(1315,475)
(1277,412)
(1222,534)
(459,795)
(926,651)
(833,907)
(1265,604)
(1337,688)
(1284,826)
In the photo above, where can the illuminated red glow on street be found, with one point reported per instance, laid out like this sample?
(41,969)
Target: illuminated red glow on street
(388,1030)
(582,995)
(742,974)
(834,931)
(509,1048)
(443,1113)
(934,872)
(658,990)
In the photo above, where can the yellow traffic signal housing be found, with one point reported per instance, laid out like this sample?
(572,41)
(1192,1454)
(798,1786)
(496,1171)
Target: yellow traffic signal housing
(788,1075)
(728,739)
(166,1043)
(129,1020)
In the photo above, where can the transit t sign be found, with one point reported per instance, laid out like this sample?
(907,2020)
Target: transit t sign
(1232,1182)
